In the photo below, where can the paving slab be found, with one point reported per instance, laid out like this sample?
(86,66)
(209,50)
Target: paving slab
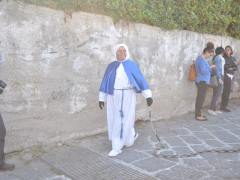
(87,158)
(81,163)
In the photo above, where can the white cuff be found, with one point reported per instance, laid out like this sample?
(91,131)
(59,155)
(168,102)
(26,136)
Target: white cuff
(102,96)
(147,93)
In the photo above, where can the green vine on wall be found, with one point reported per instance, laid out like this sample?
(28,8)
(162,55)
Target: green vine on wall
(221,17)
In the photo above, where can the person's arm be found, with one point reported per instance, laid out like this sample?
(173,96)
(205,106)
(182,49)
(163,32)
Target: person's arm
(147,93)
(2,86)
(203,69)
(102,96)
(233,64)
(148,96)
(237,61)
(218,63)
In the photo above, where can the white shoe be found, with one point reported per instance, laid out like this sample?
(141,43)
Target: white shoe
(219,112)
(114,153)
(212,112)
(135,138)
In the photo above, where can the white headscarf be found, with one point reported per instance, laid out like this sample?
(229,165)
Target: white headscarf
(125,47)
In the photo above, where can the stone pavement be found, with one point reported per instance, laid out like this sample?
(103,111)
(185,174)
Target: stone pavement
(87,158)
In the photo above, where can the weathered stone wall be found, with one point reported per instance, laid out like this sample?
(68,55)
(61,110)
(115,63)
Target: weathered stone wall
(54,63)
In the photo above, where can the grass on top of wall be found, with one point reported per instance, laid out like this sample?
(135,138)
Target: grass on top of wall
(220,17)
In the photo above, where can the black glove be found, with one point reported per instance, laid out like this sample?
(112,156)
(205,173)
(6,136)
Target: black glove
(149,101)
(101,104)
(1,90)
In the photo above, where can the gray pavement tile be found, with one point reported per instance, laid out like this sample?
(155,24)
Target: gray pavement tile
(181,173)
(154,164)
(181,131)
(81,163)
(167,152)
(129,156)
(216,121)
(174,141)
(226,136)
(214,143)
(183,134)
(167,155)
(220,160)
(198,148)
(203,135)
(191,140)
(58,177)
(212,178)
(236,146)
(198,163)
(104,149)
(35,170)
(150,153)
(230,126)
(231,170)
(143,145)
(182,150)
(236,131)
(194,127)
(235,121)
(8,176)
(213,128)
(232,116)
(161,146)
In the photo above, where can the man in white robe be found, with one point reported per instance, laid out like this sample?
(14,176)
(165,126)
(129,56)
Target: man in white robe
(121,81)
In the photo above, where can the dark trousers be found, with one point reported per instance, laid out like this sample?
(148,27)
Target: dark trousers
(217,92)
(226,91)
(201,95)
(2,140)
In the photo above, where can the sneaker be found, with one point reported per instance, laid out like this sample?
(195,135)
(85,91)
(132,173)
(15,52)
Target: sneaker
(135,138)
(201,118)
(212,112)
(114,153)
(218,112)
(7,167)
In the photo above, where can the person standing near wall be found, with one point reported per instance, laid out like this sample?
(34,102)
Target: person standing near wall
(219,61)
(3,165)
(210,45)
(229,69)
(120,83)
(203,70)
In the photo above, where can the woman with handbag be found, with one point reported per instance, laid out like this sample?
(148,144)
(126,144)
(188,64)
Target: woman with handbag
(203,70)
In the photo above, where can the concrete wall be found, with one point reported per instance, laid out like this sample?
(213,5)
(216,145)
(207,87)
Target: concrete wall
(54,63)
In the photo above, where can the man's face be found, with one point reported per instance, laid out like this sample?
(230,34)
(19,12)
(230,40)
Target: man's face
(208,54)
(212,54)
(228,52)
(121,54)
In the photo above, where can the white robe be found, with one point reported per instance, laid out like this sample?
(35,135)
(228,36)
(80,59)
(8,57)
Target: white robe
(114,103)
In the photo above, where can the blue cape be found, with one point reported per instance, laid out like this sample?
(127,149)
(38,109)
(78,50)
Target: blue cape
(133,73)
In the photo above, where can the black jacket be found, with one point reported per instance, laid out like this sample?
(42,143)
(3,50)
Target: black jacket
(229,66)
